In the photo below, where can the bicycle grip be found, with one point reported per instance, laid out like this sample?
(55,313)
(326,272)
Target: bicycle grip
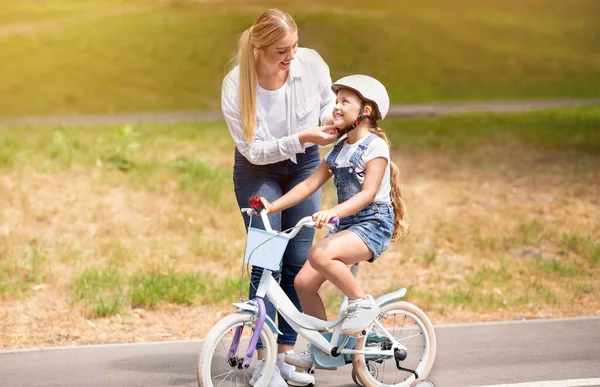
(256,203)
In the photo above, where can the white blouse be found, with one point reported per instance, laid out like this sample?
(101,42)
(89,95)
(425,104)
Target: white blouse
(309,99)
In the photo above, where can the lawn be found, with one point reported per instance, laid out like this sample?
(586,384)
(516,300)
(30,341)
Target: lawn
(70,57)
(115,233)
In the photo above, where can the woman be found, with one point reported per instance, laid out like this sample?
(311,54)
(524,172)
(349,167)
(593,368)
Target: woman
(272,101)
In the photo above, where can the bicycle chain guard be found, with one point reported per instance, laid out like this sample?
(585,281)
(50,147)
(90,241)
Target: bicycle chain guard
(325,360)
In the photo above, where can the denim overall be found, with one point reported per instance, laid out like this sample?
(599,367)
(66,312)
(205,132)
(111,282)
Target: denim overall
(374,224)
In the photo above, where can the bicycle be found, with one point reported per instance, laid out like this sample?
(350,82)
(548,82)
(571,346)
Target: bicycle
(225,359)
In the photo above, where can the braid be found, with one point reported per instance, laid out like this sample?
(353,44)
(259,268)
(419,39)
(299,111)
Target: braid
(400,226)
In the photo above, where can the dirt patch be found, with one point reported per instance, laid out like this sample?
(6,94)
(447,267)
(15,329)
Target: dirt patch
(47,319)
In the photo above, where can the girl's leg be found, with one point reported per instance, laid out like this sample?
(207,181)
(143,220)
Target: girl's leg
(331,257)
(307,283)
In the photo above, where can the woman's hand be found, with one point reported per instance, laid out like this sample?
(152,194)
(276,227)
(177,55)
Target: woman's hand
(321,218)
(267,204)
(320,135)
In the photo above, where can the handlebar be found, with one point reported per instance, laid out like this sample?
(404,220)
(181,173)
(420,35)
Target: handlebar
(304,222)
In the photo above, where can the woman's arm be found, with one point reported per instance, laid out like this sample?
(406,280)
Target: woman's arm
(373,177)
(257,152)
(261,152)
(300,191)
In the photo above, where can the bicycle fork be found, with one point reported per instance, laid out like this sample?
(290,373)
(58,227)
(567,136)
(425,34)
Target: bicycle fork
(233,360)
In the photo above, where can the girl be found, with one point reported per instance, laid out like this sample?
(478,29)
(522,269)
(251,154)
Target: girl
(370,208)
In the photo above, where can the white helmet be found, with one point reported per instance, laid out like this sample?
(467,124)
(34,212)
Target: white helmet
(367,88)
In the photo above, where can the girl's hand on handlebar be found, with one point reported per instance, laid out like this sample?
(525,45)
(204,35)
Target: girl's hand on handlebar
(321,218)
(267,204)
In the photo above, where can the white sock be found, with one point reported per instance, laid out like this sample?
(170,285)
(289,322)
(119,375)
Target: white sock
(280,358)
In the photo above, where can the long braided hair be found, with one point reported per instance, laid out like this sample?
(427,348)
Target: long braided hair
(400,226)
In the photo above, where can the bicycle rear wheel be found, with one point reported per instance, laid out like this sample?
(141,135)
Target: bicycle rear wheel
(213,368)
(411,326)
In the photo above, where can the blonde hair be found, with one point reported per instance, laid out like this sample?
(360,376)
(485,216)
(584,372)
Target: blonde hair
(271,26)
(400,226)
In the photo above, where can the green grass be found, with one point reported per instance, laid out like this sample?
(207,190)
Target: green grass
(428,257)
(496,285)
(101,290)
(106,56)
(150,289)
(148,148)
(201,175)
(107,291)
(564,130)
(21,270)
(584,246)
(530,233)
(555,267)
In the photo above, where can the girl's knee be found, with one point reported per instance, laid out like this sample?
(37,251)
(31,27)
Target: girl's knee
(301,283)
(305,283)
(316,257)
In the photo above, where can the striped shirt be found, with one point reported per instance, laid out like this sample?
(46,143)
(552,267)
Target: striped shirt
(309,99)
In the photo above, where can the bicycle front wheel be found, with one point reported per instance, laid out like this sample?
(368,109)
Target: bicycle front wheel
(409,325)
(213,367)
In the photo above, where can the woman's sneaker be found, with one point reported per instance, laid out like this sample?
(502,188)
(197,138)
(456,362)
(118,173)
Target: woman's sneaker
(292,377)
(276,379)
(300,360)
(361,314)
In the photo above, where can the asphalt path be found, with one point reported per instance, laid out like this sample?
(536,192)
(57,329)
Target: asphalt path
(407,110)
(532,353)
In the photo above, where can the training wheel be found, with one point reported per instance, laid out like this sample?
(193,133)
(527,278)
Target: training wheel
(422,383)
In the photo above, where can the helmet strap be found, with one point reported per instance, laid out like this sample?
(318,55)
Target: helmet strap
(356,122)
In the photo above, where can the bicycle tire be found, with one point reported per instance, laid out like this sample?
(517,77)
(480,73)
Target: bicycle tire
(210,346)
(366,368)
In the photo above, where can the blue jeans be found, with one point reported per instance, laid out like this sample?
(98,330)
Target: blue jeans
(272,181)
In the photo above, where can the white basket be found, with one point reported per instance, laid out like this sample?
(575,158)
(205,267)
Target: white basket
(264,249)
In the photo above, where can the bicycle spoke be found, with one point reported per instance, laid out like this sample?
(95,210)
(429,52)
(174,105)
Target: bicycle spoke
(223,380)
(225,350)
(224,373)
(411,336)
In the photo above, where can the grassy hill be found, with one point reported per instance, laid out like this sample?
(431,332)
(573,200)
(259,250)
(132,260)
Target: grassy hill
(103,56)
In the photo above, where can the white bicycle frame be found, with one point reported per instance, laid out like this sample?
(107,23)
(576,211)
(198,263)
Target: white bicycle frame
(307,326)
